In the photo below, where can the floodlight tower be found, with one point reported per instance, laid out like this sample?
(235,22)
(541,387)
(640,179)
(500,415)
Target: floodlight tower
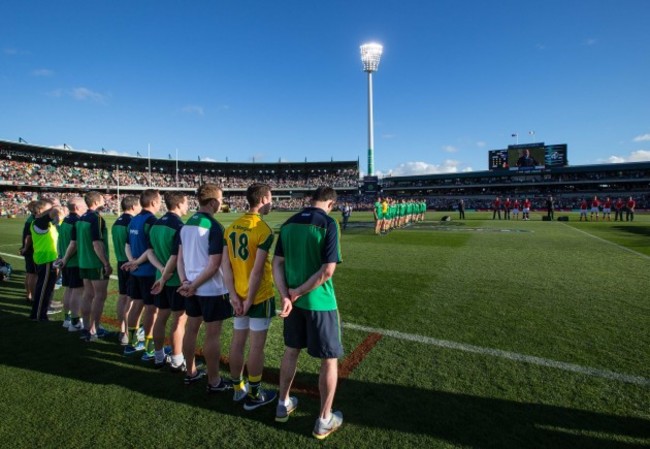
(370,56)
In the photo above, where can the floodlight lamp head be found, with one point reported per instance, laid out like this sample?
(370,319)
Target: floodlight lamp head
(370,56)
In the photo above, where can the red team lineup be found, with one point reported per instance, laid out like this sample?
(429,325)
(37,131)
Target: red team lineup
(602,209)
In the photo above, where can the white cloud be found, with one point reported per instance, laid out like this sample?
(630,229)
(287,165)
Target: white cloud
(65,146)
(424,168)
(208,159)
(591,41)
(481,144)
(388,136)
(83,93)
(635,156)
(192,109)
(79,93)
(450,149)
(116,153)
(642,138)
(42,72)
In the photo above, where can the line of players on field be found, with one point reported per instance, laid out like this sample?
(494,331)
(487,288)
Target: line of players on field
(604,208)
(199,273)
(392,213)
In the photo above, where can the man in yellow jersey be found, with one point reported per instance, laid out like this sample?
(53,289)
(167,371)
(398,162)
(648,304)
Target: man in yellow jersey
(44,239)
(247,274)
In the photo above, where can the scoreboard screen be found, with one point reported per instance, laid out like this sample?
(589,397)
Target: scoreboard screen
(534,156)
(499,160)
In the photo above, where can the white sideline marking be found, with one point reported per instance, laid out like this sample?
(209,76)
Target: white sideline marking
(636,253)
(593,372)
(16,256)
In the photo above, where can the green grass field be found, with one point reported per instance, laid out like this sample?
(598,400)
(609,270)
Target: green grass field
(474,334)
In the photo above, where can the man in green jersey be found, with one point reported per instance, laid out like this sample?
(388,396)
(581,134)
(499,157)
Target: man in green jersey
(306,256)
(69,264)
(379,216)
(94,263)
(163,241)
(130,206)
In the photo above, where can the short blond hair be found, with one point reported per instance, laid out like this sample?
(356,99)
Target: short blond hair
(207,192)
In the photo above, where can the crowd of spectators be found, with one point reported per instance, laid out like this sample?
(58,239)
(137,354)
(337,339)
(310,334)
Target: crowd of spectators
(45,174)
(508,178)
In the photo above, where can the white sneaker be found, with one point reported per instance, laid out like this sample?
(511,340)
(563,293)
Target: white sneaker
(282,411)
(182,368)
(67,322)
(124,338)
(76,327)
(322,431)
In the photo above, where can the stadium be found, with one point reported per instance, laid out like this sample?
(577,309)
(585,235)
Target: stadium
(487,333)
(208,262)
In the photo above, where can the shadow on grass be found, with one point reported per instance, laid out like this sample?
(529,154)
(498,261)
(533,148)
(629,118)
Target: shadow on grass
(636,230)
(456,418)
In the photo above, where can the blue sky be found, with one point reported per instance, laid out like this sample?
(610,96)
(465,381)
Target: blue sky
(282,80)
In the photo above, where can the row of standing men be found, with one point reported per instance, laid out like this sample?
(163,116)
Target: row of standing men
(198,273)
(602,208)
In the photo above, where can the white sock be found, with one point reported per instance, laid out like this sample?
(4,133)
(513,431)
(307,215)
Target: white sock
(177,359)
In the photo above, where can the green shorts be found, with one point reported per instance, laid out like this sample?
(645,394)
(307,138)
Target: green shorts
(264,309)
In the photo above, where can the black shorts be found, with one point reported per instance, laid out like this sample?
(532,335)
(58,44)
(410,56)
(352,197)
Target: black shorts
(94,274)
(71,277)
(30,266)
(122,278)
(139,287)
(319,332)
(211,308)
(169,298)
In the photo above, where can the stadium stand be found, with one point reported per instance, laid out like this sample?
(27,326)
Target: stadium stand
(568,185)
(29,171)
